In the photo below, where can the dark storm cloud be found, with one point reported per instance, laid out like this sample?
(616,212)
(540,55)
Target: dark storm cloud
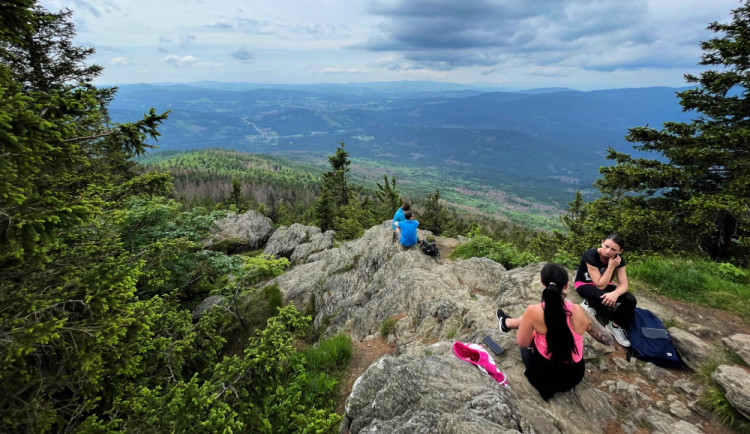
(448,34)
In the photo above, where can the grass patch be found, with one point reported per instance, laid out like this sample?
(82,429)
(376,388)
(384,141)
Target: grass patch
(715,401)
(387,327)
(330,355)
(697,281)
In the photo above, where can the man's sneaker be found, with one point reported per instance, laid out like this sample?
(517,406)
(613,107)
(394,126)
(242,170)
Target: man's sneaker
(619,334)
(587,308)
(501,320)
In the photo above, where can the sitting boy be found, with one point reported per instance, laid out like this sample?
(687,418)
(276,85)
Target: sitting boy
(408,230)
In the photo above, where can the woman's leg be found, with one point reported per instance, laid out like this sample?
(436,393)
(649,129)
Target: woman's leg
(623,315)
(593,295)
(526,355)
(506,323)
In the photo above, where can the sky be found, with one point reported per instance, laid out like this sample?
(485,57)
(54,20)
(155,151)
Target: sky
(521,44)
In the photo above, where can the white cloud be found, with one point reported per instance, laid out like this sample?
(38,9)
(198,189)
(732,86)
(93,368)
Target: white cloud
(120,61)
(179,61)
(572,43)
(339,71)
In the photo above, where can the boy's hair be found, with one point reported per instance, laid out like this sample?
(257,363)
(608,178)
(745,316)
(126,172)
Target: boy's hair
(408,215)
(405,206)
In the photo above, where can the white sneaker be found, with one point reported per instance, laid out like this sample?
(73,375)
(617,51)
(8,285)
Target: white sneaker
(619,334)
(587,308)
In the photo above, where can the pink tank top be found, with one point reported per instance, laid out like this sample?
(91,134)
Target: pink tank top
(541,340)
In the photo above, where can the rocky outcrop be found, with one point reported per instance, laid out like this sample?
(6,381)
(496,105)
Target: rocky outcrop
(206,305)
(735,382)
(433,302)
(694,351)
(236,233)
(297,242)
(739,343)
(430,394)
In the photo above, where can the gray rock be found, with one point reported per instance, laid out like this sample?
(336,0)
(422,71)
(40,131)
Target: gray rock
(678,408)
(736,384)
(694,351)
(661,423)
(654,373)
(248,231)
(318,242)
(206,305)
(704,332)
(688,387)
(429,394)
(739,344)
(623,365)
(285,240)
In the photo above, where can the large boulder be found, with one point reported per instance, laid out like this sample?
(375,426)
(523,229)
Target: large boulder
(429,394)
(735,382)
(237,233)
(694,351)
(739,343)
(297,242)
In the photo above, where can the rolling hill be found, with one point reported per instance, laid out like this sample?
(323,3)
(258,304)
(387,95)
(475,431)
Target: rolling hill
(540,144)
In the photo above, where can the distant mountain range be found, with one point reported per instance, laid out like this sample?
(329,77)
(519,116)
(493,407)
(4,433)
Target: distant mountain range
(540,143)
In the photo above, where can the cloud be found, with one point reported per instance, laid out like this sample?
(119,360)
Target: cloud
(178,61)
(167,43)
(186,40)
(186,61)
(603,35)
(221,23)
(243,54)
(340,71)
(120,61)
(280,29)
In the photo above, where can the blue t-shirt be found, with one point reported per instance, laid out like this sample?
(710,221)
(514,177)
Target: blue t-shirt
(408,232)
(398,217)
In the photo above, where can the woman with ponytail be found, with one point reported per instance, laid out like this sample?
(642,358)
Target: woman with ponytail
(550,335)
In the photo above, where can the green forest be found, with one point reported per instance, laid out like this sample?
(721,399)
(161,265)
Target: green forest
(101,260)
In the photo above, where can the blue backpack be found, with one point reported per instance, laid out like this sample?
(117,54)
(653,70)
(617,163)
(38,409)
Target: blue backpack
(650,341)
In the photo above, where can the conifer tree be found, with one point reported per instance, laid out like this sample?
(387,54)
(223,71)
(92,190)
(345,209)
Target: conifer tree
(693,195)
(434,217)
(334,191)
(389,197)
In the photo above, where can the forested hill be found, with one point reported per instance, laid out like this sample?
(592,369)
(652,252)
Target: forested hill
(540,145)
(289,185)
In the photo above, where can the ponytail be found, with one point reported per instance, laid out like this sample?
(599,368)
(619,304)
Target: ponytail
(560,343)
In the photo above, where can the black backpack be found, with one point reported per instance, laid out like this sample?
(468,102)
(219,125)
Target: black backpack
(650,341)
(429,249)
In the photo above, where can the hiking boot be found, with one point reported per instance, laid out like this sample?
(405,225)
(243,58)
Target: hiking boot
(501,320)
(587,308)
(619,334)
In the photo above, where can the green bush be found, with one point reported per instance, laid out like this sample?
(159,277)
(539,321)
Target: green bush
(499,251)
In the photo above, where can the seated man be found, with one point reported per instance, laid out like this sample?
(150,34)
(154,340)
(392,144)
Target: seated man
(408,230)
